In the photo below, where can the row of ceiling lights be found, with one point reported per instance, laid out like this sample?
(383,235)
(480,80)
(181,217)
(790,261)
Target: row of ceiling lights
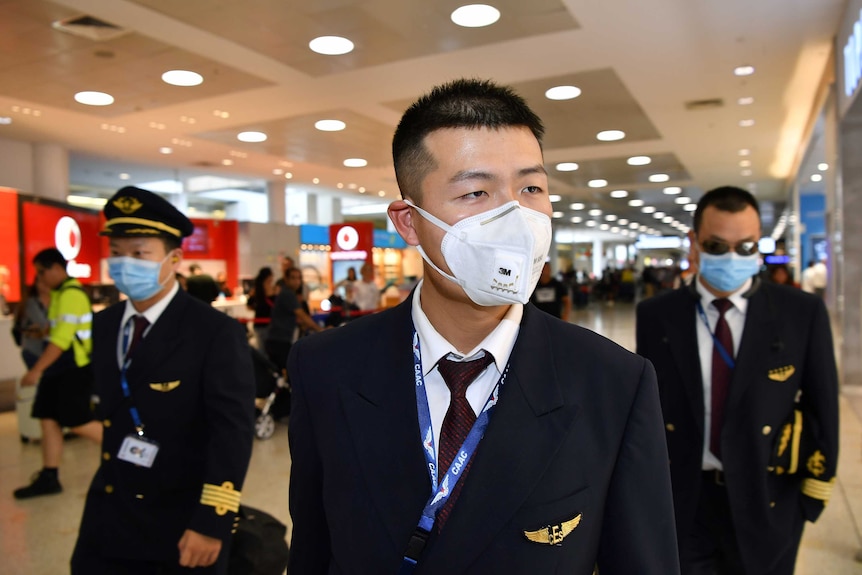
(745,163)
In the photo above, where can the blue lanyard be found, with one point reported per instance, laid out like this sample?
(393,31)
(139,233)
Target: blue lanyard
(136,418)
(441,490)
(725,356)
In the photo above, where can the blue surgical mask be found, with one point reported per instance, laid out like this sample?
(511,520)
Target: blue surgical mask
(729,271)
(138,279)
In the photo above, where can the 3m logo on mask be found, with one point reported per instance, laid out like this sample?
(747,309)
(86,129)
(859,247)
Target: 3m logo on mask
(506,277)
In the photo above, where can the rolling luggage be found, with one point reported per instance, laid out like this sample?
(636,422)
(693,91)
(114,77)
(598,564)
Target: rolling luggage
(30,429)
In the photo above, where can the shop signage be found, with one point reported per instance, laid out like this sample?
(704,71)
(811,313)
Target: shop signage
(853,58)
(73,231)
(67,238)
(351,241)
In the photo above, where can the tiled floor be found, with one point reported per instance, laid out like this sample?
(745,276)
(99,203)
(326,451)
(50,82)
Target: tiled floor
(37,536)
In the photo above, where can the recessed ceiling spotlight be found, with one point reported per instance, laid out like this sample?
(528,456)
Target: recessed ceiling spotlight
(648,209)
(747,123)
(672,190)
(591,224)
(221,114)
(331,45)
(94,98)
(577,219)
(182,78)
(595,212)
(636,203)
(744,163)
(251,137)
(381,193)
(610,135)
(597,183)
(330,125)
(557,215)
(658,178)
(744,152)
(743,71)
(355,163)
(566,167)
(227,162)
(822,166)
(604,227)
(619,194)
(563,93)
(577,206)
(623,222)
(690,207)
(125,176)
(615,230)
(611,218)
(475,15)
(165,150)
(745,101)
(634,225)
(555,198)
(745,173)
(682,200)
(816,177)
(288,176)
(315,180)
(658,215)
(667,219)
(639,160)
(277,172)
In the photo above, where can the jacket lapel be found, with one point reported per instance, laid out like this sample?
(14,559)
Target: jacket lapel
(381,413)
(757,333)
(531,413)
(163,337)
(681,339)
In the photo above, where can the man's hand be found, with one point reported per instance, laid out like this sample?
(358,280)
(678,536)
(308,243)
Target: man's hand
(197,550)
(32,377)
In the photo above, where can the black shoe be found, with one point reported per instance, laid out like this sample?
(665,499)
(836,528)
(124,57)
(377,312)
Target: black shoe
(42,484)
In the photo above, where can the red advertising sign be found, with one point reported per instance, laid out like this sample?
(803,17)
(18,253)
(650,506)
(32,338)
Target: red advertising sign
(75,232)
(351,241)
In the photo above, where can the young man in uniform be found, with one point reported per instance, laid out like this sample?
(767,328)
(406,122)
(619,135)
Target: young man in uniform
(546,456)
(176,398)
(749,389)
(63,372)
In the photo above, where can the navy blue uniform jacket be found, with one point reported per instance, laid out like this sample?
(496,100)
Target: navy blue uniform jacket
(785,364)
(577,431)
(192,383)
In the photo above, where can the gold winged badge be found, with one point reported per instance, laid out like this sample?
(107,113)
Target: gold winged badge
(553,534)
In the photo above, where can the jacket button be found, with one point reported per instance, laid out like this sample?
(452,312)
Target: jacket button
(109,488)
(772,503)
(106,456)
(766,430)
(139,496)
(107,423)
(670,427)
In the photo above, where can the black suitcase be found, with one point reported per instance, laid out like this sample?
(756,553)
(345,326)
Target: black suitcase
(259,546)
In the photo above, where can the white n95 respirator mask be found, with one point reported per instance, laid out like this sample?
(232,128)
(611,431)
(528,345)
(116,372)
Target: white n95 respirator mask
(496,256)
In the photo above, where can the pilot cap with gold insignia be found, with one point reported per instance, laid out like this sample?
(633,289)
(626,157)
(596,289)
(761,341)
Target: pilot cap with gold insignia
(140,213)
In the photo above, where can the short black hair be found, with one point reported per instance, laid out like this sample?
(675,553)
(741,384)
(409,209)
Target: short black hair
(171,243)
(463,103)
(48,257)
(727,199)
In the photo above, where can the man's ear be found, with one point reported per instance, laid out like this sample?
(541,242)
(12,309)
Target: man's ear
(693,252)
(402,218)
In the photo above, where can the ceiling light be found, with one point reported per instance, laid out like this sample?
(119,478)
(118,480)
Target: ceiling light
(555,198)
(690,207)
(381,193)
(277,172)
(743,71)
(125,176)
(182,78)
(657,178)
(94,98)
(648,209)
(816,177)
(636,203)
(577,206)
(658,215)
(745,173)
(634,225)
(746,101)
(251,137)
(667,219)
(604,227)
(567,167)
(619,194)
(221,114)
(315,180)
(165,150)
(745,163)
(639,160)
(615,230)
(227,162)
(475,15)
(672,190)
(563,93)
(822,166)
(611,218)
(595,212)
(744,152)
(591,224)
(597,183)
(747,123)
(577,219)
(558,215)
(331,45)
(330,125)
(682,200)
(610,135)
(623,222)
(288,176)
(355,163)
(5,120)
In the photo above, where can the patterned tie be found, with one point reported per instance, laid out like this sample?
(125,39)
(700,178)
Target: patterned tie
(141,324)
(460,417)
(721,374)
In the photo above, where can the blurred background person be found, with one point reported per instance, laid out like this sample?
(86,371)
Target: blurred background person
(221,282)
(31,321)
(261,300)
(780,274)
(201,285)
(551,296)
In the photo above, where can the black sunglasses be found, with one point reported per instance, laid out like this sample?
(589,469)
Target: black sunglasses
(717,248)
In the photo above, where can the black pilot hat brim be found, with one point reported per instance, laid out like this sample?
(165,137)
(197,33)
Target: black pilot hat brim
(134,212)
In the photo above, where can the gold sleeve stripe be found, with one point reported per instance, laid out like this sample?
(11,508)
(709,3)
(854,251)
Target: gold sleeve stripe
(222,497)
(817,489)
(797,437)
(144,222)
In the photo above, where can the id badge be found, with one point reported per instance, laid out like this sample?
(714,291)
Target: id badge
(138,450)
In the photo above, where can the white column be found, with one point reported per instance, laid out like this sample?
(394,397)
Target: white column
(276,199)
(337,216)
(50,171)
(311,203)
(598,249)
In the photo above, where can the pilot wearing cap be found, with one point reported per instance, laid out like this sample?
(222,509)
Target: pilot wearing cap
(175,393)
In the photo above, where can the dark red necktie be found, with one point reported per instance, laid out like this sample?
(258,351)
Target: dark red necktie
(460,417)
(141,324)
(721,374)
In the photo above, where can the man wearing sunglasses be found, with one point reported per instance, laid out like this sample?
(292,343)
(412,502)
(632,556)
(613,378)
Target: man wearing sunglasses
(749,392)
